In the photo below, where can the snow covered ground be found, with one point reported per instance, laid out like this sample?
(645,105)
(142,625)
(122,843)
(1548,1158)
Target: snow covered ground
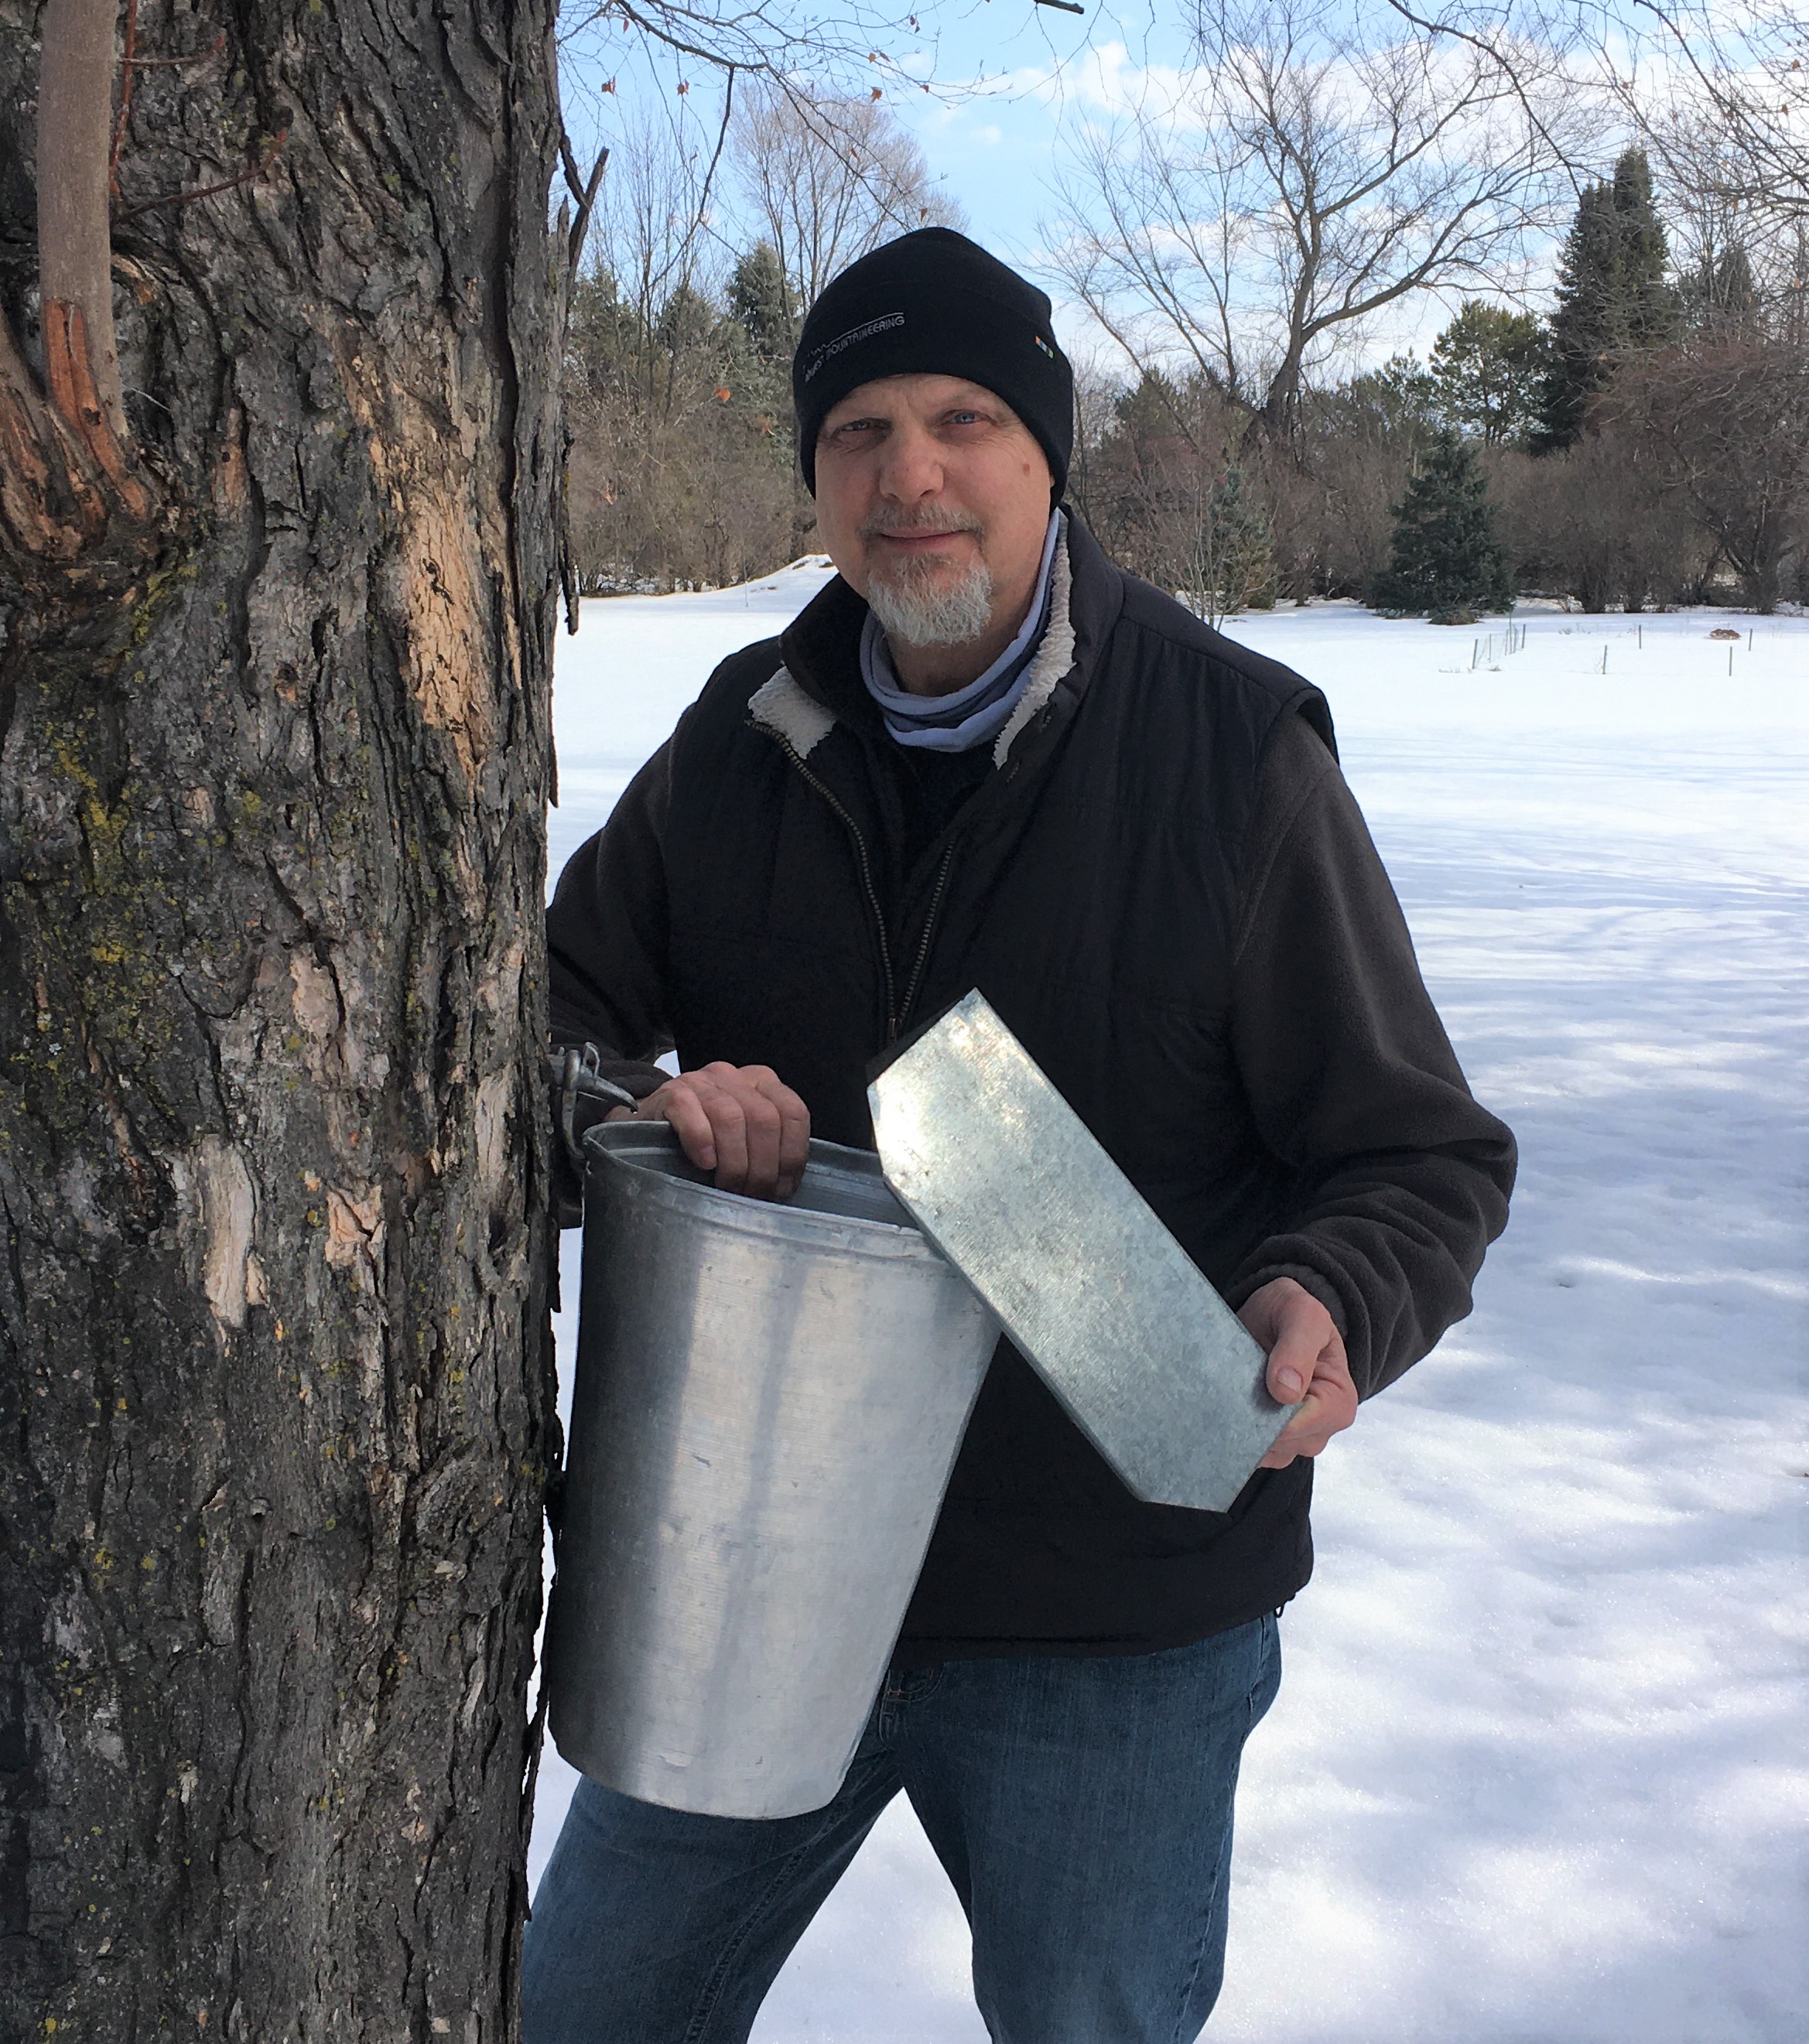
(1539,1771)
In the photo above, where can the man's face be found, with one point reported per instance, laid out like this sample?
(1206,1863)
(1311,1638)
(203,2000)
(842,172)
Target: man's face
(932,497)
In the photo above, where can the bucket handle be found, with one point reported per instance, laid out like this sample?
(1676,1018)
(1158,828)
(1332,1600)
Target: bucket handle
(575,1078)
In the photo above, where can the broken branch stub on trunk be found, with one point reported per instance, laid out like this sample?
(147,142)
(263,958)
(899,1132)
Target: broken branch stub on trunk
(81,519)
(74,144)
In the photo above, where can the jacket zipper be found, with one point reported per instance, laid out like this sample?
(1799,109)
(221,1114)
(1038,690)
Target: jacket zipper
(896,1016)
(915,987)
(861,860)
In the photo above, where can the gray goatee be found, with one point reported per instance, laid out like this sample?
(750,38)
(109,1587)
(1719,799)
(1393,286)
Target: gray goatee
(913,606)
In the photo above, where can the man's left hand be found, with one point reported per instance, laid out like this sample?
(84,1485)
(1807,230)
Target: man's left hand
(1307,1362)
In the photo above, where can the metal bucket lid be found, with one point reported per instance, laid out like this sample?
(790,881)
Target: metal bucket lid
(1010,1183)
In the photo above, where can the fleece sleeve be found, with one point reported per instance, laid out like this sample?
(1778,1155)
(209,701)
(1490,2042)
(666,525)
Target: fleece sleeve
(1401,1179)
(606,937)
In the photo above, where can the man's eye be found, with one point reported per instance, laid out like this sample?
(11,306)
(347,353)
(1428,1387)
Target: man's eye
(963,418)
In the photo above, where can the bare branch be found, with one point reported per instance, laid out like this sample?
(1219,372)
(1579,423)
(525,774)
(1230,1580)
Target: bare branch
(775,40)
(126,60)
(584,196)
(709,184)
(1742,65)
(269,148)
(827,178)
(1309,176)
(74,149)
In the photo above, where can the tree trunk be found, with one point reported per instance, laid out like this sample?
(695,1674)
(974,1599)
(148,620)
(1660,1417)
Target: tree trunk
(274,1368)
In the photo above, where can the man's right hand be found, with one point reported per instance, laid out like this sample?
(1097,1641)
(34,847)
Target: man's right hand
(737,1120)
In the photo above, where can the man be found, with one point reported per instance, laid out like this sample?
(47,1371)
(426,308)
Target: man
(984,757)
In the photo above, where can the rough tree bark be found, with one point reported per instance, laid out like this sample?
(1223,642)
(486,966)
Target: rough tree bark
(274,753)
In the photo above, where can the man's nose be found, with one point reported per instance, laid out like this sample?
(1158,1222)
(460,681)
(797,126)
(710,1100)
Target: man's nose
(911,469)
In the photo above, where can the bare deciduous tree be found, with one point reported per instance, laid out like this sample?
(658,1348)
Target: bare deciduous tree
(1309,174)
(823,180)
(1597,525)
(1733,74)
(1741,257)
(650,236)
(1731,414)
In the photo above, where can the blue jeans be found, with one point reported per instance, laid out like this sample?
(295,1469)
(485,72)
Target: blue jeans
(1082,1809)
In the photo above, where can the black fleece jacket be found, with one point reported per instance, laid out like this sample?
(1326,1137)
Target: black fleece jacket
(1163,885)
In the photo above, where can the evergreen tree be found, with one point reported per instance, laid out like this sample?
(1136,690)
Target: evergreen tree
(1581,329)
(1489,368)
(687,322)
(1151,413)
(1612,297)
(600,336)
(761,298)
(1237,551)
(1736,288)
(1397,404)
(1645,307)
(764,312)
(1447,564)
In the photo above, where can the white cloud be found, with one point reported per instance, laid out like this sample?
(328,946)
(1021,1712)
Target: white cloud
(1105,79)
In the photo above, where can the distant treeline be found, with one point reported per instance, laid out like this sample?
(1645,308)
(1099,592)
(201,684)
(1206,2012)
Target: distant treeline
(1646,442)
(678,358)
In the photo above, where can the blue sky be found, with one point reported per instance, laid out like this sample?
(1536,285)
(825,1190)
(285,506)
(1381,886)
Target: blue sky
(1006,77)
(1002,73)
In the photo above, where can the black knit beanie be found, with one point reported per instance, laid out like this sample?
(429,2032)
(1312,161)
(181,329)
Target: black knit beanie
(934,302)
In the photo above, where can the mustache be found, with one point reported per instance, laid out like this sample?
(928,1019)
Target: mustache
(925,518)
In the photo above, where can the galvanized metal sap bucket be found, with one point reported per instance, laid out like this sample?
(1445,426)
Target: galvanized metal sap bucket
(769,1401)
